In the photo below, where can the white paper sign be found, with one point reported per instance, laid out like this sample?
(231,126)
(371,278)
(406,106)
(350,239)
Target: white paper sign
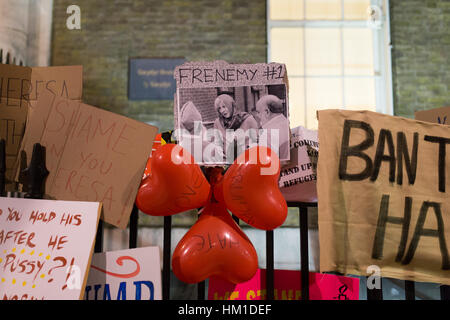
(45,248)
(133,274)
(298,176)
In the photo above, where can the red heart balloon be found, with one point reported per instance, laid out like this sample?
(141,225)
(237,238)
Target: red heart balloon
(250,189)
(175,183)
(215,246)
(155,146)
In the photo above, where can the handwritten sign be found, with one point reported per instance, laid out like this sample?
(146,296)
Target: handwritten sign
(438,115)
(133,274)
(152,79)
(298,176)
(14,89)
(222,109)
(383,189)
(287,286)
(20,88)
(92,154)
(221,73)
(45,248)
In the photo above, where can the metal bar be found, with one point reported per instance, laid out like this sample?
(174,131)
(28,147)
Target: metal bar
(99,238)
(201,291)
(410,292)
(134,218)
(200,285)
(166,257)
(375,294)
(269,265)
(318,23)
(301,204)
(304,252)
(36,173)
(2,167)
(445,292)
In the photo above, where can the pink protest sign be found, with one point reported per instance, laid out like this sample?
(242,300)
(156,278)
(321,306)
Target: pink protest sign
(45,248)
(287,284)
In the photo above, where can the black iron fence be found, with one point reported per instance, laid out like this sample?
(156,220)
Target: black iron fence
(33,181)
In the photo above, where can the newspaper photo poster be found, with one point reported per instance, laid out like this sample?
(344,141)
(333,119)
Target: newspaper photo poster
(222,109)
(383,196)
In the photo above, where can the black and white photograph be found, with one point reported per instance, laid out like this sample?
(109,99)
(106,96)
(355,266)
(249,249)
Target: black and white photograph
(223,122)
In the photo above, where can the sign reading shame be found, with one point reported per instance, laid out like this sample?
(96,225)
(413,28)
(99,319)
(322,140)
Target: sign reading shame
(399,218)
(92,154)
(20,88)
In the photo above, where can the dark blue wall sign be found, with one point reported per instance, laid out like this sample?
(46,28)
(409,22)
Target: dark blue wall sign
(152,78)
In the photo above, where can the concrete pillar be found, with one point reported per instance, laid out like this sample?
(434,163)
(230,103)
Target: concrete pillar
(25,32)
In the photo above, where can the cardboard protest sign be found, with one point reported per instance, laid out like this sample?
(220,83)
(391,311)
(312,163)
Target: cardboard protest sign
(92,154)
(14,88)
(298,176)
(45,248)
(20,88)
(221,109)
(383,195)
(287,286)
(438,115)
(133,274)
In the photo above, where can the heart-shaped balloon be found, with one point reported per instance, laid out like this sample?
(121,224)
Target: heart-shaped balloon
(155,146)
(215,246)
(175,183)
(250,189)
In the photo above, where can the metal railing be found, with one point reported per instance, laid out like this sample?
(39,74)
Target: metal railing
(34,190)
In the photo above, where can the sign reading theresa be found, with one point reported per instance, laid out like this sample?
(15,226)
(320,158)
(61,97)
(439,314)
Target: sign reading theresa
(152,78)
(399,218)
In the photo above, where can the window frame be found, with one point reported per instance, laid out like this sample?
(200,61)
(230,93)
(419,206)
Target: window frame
(381,52)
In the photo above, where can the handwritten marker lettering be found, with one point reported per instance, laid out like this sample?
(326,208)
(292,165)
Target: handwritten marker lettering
(36,263)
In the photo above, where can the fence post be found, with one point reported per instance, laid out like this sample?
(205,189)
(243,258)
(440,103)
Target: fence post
(445,292)
(304,250)
(269,266)
(134,219)
(2,167)
(410,292)
(166,257)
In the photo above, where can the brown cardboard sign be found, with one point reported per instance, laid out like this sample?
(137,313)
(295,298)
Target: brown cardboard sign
(438,115)
(92,154)
(383,196)
(14,90)
(20,87)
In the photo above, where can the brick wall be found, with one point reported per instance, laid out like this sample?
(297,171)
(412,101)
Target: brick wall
(203,99)
(113,31)
(420,31)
